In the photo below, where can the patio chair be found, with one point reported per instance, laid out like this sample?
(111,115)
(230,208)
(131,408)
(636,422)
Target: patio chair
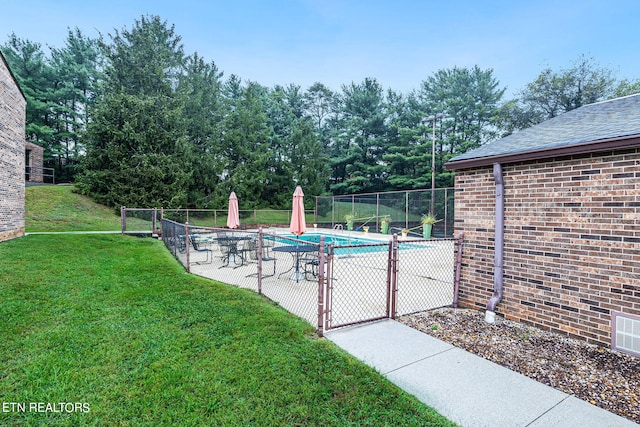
(228,249)
(252,251)
(233,248)
(216,240)
(202,245)
(310,264)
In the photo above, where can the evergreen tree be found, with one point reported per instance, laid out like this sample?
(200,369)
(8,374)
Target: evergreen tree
(358,147)
(318,105)
(297,147)
(245,146)
(468,99)
(77,70)
(408,157)
(137,153)
(59,90)
(37,81)
(200,89)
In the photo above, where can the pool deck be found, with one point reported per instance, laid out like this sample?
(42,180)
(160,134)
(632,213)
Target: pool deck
(359,285)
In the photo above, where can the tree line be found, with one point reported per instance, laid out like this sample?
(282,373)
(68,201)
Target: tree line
(134,120)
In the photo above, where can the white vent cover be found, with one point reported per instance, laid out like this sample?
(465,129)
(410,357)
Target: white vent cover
(626,333)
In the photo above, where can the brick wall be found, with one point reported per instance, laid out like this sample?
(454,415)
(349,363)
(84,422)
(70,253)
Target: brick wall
(35,161)
(12,155)
(572,241)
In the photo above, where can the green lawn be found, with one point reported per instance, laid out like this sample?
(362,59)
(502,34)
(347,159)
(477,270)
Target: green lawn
(58,208)
(113,322)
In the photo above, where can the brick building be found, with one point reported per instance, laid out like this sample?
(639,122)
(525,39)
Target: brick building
(12,154)
(551,217)
(34,162)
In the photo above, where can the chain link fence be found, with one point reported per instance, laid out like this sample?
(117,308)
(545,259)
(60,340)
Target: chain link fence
(320,277)
(387,280)
(276,266)
(402,208)
(147,220)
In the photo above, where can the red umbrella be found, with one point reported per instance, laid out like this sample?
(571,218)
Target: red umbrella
(233,216)
(298,225)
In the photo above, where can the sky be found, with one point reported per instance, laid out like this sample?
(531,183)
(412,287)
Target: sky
(400,43)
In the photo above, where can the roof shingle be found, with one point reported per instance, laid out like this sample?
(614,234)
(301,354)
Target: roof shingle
(604,120)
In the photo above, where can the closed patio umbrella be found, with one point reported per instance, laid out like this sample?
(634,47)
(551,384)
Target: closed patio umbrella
(233,216)
(298,225)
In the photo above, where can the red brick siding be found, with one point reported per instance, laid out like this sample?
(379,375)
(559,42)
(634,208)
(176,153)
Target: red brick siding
(12,156)
(572,241)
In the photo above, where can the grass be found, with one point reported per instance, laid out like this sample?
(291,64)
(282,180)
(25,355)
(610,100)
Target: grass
(114,322)
(58,208)
(247,217)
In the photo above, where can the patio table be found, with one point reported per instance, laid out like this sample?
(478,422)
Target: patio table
(295,251)
(231,243)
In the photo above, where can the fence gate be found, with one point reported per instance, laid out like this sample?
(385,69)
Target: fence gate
(358,284)
(377,281)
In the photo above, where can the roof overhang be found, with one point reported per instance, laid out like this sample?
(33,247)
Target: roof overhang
(547,153)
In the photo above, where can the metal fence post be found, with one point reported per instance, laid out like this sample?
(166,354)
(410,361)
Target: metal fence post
(172,236)
(123,219)
(393,280)
(260,245)
(389,269)
(377,211)
(406,209)
(329,286)
(321,287)
(154,220)
(446,211)
(186,245)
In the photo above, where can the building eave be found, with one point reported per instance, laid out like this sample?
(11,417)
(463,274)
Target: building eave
(547,153)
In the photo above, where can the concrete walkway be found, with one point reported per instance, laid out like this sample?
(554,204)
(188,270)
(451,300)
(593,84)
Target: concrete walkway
(464,387)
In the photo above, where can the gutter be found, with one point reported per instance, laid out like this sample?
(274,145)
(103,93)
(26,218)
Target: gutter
(610,144)
(498,262)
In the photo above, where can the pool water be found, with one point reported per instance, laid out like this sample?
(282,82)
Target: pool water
(332,239)
(335,240)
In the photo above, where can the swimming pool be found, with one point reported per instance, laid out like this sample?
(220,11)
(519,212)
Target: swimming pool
(368,245)
(333,239)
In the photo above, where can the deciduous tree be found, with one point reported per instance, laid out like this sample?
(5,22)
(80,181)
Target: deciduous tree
(555,92)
